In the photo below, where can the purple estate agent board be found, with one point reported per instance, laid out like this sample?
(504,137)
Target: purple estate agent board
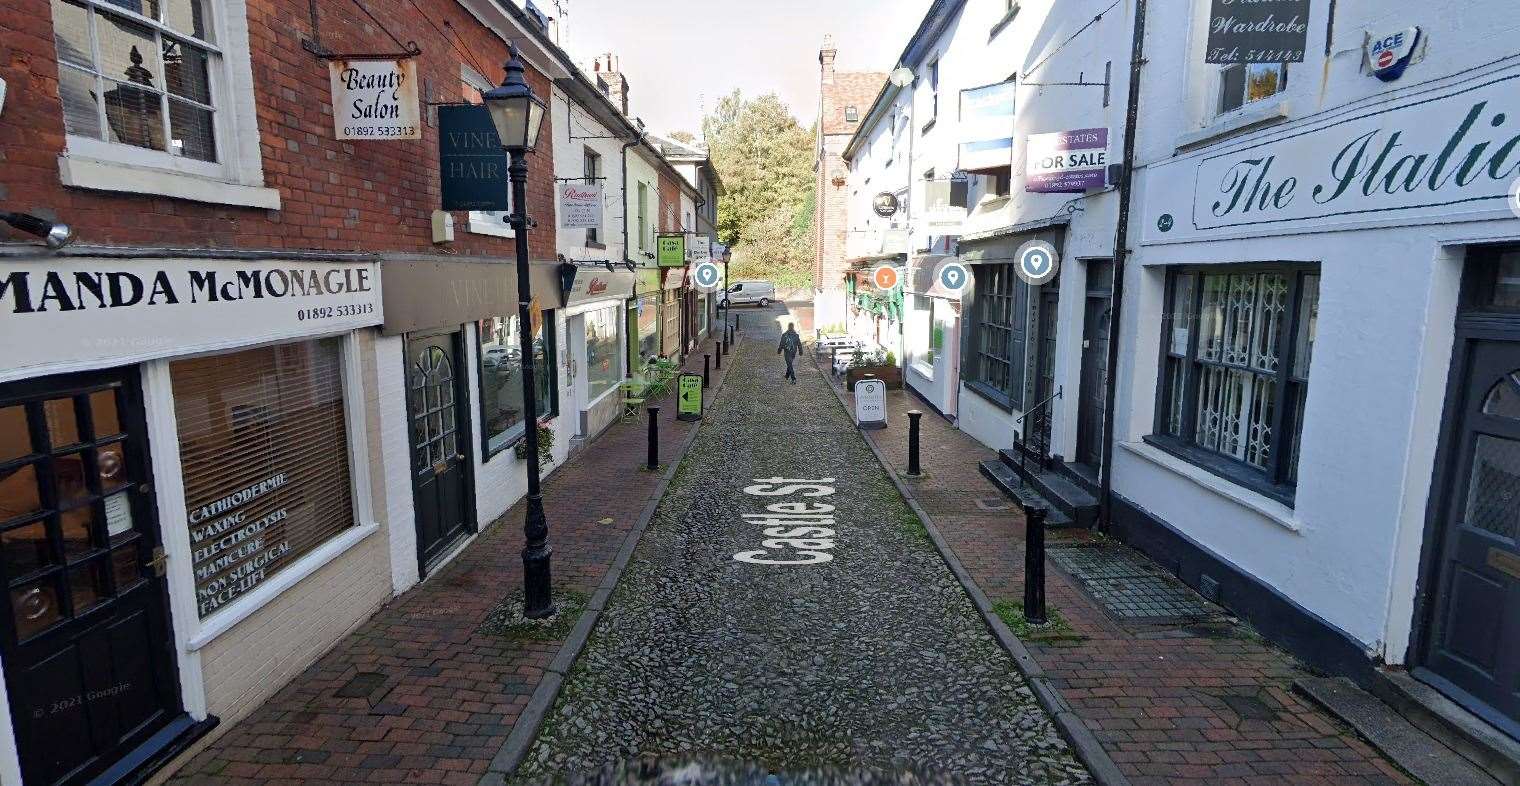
(1067,161)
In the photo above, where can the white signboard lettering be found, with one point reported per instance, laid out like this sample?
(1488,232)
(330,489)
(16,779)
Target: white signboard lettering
(1427,157)
(1068,161)
(797,533)
(375,99)
(871,403)
(87,312)
(580,206)
(698,249)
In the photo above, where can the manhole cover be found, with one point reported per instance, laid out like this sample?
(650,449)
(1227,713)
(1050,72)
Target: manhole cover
(1130,586)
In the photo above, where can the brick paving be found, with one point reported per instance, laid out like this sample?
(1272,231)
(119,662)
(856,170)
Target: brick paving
(450,694)
(1171,705)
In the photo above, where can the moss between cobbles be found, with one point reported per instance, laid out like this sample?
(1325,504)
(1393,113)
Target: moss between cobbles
(506,620)
(1056,629)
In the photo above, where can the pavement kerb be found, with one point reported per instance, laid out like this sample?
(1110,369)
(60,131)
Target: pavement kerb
(526,729)
(1076,734)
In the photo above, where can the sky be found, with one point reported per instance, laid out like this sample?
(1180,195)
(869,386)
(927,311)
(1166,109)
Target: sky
(681,54)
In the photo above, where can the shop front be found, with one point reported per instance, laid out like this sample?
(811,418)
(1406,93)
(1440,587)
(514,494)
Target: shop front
(183,460)
(931,336)
(644,318)
(451,330)
(594,363)
(672,310)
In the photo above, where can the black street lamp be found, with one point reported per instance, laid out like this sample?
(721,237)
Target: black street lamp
(517,113)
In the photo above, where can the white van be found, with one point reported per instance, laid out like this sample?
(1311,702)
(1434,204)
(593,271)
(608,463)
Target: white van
(744,293)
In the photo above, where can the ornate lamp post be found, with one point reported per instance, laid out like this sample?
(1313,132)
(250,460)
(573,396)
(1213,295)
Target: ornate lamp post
(517,113)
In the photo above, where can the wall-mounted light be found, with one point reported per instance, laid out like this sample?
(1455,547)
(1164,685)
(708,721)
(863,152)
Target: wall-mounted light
(55,235)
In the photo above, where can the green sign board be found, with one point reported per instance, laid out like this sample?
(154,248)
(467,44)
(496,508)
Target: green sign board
(689,397)
(670,250)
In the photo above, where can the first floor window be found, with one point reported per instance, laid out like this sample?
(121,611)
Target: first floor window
(263,444)
(1236,369)
(997,333)
(603,368)
(591,168)
(1243,83)
(501,379)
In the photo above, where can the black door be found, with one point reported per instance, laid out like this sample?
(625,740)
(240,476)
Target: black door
(89,656)
(1474,642)
(1045,365)
(440,469)
(1094,381)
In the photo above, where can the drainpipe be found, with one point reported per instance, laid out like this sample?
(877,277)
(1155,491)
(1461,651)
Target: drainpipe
(1121,251)
(628,366)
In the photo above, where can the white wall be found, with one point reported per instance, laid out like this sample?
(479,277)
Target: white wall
(1348,550)
(641,170)
(568,120)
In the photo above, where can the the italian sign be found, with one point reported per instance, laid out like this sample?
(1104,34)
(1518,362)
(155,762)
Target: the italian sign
(1514,197)
(670,250)
(871,404)
(707,276)
(1037,262)
(375,99)
(885,277)
(794,532)
(1067,162)
(986,127)
(689,397)
(80,312)
(1257,31)
(1428,157)
(1388,54)
(580,206)
(472,166)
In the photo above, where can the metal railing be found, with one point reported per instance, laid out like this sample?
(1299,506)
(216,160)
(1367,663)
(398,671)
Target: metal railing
(1043,410)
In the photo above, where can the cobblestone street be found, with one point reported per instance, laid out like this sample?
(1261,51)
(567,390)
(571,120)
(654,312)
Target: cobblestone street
(865,654)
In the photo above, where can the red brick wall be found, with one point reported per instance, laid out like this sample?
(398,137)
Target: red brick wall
(831,214)
(338,196)
(670,203)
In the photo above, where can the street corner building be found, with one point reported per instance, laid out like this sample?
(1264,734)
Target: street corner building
(1294,384)
(264,374)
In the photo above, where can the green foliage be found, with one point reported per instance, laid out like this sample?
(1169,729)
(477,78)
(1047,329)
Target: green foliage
(1056,628)
(765,158)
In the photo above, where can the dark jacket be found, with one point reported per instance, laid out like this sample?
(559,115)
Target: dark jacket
(791,344)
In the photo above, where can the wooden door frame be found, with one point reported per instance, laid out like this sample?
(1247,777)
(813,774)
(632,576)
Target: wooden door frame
(134,419)
(464,424)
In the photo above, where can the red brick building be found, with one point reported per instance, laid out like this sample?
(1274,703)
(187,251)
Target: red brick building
(249,403)
(843,98)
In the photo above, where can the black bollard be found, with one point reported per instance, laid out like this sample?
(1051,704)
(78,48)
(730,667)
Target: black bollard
(721,352)
(913,466)
(706,369)
(1034,564)
(654,438)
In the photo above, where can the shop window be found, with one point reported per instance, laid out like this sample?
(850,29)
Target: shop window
(670,317)
(603,368)
(1232,391)
(919,327)
(997,325)
(264,454)
(501,384)
(483,222)
(147,83)
(1243,83)
(649,327)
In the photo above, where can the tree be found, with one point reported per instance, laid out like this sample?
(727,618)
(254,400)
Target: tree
(765,158)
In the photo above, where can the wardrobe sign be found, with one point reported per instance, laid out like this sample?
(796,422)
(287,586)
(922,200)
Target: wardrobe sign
(1257,31)
(84,310)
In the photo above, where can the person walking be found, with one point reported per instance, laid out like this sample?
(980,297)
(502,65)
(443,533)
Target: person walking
(791,347)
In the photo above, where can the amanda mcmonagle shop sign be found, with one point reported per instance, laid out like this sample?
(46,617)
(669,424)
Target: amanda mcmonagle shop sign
(1434,154)
(65,314)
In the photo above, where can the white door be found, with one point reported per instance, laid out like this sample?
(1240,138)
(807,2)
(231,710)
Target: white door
(575,376)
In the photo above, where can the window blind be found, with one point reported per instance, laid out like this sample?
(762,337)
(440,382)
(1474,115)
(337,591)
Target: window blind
(264,454)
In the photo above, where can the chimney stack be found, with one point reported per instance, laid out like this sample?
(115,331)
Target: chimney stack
(826,57)
(611,81)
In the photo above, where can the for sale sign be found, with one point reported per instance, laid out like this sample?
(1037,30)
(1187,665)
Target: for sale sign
(1067,162)
(1258,31)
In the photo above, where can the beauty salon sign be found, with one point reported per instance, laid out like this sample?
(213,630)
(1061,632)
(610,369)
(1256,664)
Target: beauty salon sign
(375,99)
(1443,154)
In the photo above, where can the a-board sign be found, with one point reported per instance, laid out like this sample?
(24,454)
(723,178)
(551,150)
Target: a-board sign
(689,397)
(871,403)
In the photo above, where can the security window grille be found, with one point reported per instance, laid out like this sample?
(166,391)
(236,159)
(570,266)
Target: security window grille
(139,73)
(998,329)
(1234,388)
(592,169)
(1243,83)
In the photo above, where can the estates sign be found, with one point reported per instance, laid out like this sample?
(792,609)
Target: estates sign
(580,206)
(375,99)
(1426,157)
(1067,162)
(83,312)
(1258,31)
(471,164)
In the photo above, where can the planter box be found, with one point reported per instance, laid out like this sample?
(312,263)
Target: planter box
(892,375)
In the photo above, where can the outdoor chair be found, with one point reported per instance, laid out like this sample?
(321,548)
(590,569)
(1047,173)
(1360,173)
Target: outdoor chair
(634,396)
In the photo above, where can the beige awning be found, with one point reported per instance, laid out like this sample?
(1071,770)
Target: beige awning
(424,293)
